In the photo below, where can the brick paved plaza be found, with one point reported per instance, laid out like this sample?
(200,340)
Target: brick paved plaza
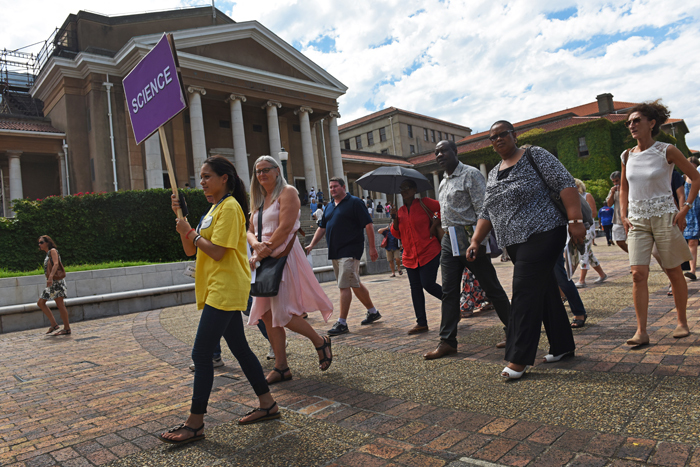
(100,396)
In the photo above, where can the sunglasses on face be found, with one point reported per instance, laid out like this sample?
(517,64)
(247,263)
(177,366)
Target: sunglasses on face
(502,134)
(41,242)
(264,171)
(635,120)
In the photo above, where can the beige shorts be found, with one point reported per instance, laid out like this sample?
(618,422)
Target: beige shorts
(672,247)
(393,254)
(618,233)
(347,272)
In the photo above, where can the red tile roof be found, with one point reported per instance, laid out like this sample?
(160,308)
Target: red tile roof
(389,110)
(28,125)
(373,157)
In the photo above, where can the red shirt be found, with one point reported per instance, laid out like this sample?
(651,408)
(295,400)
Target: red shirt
(414,232)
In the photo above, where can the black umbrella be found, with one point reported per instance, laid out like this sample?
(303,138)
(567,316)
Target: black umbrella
(388,179)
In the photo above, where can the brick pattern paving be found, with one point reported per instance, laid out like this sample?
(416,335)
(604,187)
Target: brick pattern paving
(102,394)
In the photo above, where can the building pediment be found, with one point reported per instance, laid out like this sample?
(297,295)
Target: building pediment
(246,51)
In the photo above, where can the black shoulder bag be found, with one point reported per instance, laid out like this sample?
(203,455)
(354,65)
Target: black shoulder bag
(556,199)
(269,274)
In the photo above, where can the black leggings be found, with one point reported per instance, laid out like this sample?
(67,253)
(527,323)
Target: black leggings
(536,299)
(213,325)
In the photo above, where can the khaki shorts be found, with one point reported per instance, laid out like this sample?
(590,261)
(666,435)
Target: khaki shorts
(347,272)
(672,247)
(393,254)
(618,233)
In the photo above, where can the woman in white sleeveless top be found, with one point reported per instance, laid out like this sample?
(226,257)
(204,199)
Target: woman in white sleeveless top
(649,213)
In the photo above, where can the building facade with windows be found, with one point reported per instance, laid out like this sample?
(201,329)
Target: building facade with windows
(398,132)
(250,93)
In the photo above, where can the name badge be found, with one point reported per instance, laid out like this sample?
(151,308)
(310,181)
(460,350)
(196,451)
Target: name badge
(206,222)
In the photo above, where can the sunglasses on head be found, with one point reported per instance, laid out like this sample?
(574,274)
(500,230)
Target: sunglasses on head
(635,120)
(502,134)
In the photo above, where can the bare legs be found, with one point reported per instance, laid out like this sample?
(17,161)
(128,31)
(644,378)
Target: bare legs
(640,292)
(391,265)
(278,339)
(693,245)
(61,309)
(362,295)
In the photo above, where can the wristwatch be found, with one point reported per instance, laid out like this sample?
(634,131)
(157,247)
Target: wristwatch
(688,204)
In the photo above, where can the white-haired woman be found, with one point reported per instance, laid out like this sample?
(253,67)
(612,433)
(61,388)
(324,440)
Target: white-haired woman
(588,259)
(299,291)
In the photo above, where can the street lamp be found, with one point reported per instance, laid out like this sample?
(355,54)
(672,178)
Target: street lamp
(284,155)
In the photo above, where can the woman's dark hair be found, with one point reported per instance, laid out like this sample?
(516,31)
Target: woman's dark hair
(222,166)
(48,240)
(652,111)
(694,160)
(410,183)
(506,123)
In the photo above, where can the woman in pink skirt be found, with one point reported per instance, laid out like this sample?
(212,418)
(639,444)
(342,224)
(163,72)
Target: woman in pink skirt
(299,291)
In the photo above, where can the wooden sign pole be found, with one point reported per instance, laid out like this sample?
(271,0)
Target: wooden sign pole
(169,163)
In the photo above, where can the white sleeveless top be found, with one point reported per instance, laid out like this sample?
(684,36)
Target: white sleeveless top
(649,178)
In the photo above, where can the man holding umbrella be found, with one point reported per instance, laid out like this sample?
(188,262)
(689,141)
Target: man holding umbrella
(344,222)
(461,195)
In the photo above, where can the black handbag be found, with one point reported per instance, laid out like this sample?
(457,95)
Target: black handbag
(269,274)
(556,199)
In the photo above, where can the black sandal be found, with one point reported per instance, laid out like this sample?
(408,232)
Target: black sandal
(182,426)
(53,329)
(321,361)
(281,372)
(63,332)
(264,418)
(579,323)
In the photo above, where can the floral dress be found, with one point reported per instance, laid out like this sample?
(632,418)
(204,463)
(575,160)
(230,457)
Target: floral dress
(58,288)
(692,219)
(472,294)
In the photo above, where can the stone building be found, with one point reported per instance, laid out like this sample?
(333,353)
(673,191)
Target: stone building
(250,93)
(398,132)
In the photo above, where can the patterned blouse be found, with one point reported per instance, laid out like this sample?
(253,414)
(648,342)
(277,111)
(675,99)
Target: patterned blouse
(519,205)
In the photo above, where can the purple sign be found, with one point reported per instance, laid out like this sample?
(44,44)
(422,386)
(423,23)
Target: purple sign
(153,91)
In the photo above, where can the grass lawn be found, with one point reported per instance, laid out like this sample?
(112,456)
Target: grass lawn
(78,267)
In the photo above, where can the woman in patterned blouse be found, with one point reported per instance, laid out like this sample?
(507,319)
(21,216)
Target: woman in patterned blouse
(528,224)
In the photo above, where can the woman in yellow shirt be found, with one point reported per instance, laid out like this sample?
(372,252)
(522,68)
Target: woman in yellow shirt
(222,285)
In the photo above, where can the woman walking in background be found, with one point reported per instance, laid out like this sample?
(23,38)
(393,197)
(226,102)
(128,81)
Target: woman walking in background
(222,285)
(55,286)
(588,259)
(649,213)
(692,225)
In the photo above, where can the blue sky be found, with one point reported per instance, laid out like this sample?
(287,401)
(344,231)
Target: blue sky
(467,61)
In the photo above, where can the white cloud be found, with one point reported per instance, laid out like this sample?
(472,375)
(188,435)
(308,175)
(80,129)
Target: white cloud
(467,61)
(482,60)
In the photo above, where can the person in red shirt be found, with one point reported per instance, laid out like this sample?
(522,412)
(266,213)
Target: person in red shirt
(421,250)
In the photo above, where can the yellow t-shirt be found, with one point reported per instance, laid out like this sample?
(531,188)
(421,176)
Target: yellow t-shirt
(224,284)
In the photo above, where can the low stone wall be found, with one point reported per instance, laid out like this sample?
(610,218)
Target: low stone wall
(110,292)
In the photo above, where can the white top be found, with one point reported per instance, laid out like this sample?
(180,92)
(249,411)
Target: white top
(649,178)
(318,214)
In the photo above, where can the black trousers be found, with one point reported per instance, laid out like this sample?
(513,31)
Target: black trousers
(536,299)
(452,268)
(608,233)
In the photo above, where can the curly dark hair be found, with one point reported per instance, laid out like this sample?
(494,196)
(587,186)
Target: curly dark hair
(652,111)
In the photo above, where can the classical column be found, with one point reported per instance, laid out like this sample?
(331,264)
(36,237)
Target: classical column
(336,157)
(61,157)
(307,150)
(273,129)
(436,182)
(240,156)
(15,178)
(199,145)
(484,172)
(154,166)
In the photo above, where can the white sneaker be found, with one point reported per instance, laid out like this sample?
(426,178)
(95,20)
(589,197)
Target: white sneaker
(600,279)
(217,362)
(271,353)
(580,285)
